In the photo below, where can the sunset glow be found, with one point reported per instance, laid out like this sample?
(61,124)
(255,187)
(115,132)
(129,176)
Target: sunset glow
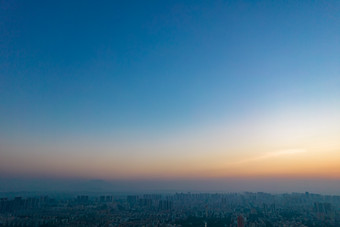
(170,91)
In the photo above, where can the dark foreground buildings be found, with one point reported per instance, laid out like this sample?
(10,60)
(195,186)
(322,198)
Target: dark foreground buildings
(180,209)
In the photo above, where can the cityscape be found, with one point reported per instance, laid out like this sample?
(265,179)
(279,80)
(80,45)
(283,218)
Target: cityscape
(178,209)
(164,113)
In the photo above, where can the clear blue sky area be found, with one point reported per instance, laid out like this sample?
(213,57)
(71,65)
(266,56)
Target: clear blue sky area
(98,66)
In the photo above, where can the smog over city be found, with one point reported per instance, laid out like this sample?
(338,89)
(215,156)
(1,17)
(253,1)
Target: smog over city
(169,113)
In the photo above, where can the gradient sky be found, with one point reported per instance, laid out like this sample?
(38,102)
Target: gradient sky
(170,89)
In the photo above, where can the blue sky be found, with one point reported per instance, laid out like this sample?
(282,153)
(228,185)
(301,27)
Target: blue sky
(99,70)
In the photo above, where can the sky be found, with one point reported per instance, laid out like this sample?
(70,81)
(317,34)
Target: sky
(170,90)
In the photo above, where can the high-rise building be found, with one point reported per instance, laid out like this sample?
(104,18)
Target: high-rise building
(165,205)
(240,221)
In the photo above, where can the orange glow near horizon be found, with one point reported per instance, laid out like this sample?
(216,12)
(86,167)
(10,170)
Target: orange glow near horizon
(267,148)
